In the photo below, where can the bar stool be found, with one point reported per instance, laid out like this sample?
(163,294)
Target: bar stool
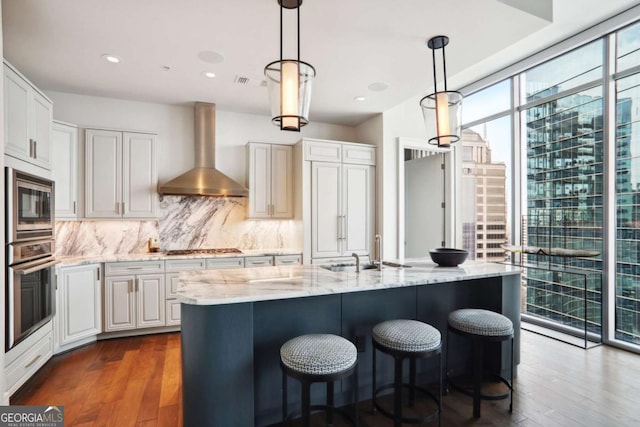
(481,326)
(319,358)
(406,339)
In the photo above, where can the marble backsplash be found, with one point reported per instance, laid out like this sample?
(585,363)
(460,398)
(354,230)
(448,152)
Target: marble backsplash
(183,222)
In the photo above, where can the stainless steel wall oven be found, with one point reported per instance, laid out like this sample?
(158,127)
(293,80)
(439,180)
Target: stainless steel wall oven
(29,251)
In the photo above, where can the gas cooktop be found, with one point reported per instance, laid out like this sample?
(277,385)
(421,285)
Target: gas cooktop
(213,251)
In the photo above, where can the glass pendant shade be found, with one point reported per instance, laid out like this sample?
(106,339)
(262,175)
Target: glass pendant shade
(289,84)
(442,112)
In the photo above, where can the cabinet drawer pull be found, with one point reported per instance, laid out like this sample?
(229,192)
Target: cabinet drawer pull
(30,364)
(135,268)
(287,261)
(258,262)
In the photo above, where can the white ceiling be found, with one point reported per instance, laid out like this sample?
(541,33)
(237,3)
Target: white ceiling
(352,43)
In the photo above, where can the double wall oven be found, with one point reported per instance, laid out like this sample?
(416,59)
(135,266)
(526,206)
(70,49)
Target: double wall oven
(29,252)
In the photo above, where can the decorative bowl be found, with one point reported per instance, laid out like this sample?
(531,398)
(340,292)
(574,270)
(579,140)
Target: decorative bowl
(448,257)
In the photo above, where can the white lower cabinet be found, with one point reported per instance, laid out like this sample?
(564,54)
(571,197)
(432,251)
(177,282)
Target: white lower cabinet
(287,259)
(258,261)
(173,312)
(24,360)
(134,301)
(79,305)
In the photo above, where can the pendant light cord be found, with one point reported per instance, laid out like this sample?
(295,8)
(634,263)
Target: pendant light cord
(433,59)
(281,7)
(298,34)
(444,69)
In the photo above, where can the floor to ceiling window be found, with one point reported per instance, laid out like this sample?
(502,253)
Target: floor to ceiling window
(627,187)
(486,172)
(571,112)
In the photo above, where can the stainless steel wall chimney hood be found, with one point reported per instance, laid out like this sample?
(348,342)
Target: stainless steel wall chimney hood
(204,179)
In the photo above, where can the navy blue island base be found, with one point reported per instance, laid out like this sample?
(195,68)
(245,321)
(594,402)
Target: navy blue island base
(230,352)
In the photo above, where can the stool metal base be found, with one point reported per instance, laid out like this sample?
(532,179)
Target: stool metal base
(479,372)
(306,380)
(398,385)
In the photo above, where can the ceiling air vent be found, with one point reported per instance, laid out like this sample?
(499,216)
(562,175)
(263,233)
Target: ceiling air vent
(248,81)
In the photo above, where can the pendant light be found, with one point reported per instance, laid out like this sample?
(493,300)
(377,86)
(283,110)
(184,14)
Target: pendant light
(441,107)
(289,82)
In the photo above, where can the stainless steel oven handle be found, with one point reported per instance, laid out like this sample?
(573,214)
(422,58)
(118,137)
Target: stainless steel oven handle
(32,267)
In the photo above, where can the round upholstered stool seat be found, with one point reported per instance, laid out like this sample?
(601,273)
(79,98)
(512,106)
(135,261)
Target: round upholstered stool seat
(481,327)
(318,354)
(407,335)
(317,358)
(406,339)
(480,322)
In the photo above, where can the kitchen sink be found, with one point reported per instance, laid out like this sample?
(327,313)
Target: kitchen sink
(349,267)
(368,266)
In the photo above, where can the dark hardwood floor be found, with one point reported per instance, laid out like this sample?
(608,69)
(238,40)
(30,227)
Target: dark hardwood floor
(136,382)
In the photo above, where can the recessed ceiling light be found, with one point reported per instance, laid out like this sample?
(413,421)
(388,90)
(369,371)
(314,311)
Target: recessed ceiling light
(111,58)
(359,98)
(209,74)
(378,86)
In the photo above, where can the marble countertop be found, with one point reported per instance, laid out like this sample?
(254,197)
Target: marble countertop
(215,287)
(154,256)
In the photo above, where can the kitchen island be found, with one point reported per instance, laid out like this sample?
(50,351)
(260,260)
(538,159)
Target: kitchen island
(234,322)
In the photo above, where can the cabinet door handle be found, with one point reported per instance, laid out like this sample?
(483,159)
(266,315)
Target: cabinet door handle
(30,147)
(122,208)
(35,149)
(137,285)
(339,227)
(30,364)
(74,207)
(344,227)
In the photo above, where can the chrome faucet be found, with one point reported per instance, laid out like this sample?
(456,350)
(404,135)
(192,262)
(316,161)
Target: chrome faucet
(355,255)
(379,250)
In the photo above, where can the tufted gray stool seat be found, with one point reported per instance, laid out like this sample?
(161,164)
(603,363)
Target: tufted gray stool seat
(406,339)
(481,326)
(319,354)
(318,358)
(407,335)
(480,322)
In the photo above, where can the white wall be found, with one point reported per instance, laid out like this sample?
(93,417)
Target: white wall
(371,132)
(404,120)
(174,126)
(3,378)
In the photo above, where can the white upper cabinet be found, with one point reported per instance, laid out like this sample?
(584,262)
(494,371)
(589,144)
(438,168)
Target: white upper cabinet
(64,169)
(140,176)
(121,175)
(27,120)
(270,180)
